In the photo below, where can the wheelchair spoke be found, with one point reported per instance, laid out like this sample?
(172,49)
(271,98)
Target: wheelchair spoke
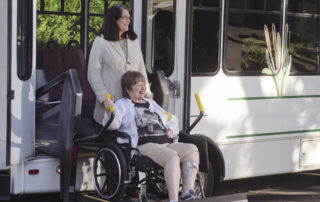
(102,163)
(104,185)
(110,187)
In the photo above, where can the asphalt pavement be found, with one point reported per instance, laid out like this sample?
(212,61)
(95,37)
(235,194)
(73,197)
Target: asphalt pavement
(285,188)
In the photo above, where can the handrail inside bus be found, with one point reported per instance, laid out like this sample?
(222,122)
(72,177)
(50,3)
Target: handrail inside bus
(72,76)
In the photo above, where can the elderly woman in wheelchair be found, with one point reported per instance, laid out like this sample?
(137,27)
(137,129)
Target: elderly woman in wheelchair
(153,131)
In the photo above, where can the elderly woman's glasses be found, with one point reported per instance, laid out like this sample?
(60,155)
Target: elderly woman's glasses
(125,17)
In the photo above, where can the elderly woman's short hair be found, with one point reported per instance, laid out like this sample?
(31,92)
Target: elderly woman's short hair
(129,79)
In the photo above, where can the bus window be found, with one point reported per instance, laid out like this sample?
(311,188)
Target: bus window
(97,9)
(58,21)
(205,37)
(72,6)
(245,41)
(96,13)
(24,39)
(206,3)
(78,20)
(158,45)
(52,5)
(304,35)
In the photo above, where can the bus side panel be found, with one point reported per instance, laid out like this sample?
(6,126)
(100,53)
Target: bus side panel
(3,81)
(260,158)
(40,176)
(23,104)
(246,119)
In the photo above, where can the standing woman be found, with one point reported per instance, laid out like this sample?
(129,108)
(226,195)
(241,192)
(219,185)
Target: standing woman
(114,51)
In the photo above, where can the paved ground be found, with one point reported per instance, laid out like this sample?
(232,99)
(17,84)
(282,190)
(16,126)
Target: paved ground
(285,188)
(288,187)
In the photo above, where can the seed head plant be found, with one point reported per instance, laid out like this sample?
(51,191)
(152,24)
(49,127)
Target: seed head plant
(278,65)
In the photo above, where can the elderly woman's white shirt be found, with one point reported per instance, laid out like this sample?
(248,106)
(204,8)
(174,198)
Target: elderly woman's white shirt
(125,119)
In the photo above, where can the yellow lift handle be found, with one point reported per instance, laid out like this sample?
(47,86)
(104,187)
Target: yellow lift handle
(199,102)
(111,109)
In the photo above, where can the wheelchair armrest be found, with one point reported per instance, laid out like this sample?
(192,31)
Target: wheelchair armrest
(116,133)
(202,145)
(86,130)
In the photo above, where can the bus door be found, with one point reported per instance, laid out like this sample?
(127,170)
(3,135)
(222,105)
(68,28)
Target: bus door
(4,85)
(163,47)
(22,80)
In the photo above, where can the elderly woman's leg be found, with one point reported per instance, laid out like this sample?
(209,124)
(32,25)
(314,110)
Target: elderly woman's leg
(170,161)
(189,157)
(172,177)
(189,171)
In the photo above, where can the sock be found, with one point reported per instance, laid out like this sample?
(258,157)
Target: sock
(186,172)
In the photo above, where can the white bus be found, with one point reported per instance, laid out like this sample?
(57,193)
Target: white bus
(212,47)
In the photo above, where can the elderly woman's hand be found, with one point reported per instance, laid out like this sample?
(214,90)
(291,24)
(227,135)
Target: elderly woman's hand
(170,133)
(107,104)
(149,96)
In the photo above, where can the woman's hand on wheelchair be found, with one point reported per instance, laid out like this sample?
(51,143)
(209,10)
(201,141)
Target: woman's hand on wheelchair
(107,104)
(149,96)
(170,133)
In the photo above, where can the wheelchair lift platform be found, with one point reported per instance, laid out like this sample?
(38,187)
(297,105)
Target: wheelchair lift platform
(93,197)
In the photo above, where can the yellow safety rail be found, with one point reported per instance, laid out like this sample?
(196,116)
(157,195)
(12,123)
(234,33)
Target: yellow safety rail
(199,102)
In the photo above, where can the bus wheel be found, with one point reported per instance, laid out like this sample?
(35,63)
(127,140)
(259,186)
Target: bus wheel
(207,181)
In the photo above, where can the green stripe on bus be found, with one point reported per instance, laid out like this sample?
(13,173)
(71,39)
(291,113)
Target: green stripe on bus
(197,115)
(274,133)
(273,97)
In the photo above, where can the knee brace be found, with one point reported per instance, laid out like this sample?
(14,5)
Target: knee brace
(186,172)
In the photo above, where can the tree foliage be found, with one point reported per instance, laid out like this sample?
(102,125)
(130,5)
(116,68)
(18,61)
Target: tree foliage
(61,27)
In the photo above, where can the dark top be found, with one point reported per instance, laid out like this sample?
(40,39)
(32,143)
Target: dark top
(149,125)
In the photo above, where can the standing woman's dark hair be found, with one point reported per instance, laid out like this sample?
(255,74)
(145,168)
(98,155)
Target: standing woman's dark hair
(110,29)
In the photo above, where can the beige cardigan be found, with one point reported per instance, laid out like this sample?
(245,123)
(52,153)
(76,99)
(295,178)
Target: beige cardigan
(107,64)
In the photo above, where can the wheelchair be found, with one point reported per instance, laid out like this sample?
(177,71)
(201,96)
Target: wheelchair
(116,165)
(62,132)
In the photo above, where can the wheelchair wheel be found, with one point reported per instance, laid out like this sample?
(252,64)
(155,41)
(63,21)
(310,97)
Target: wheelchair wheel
(207,181)
(110,171)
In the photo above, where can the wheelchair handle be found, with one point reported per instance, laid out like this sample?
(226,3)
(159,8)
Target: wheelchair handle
(200,115)
(111,109)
